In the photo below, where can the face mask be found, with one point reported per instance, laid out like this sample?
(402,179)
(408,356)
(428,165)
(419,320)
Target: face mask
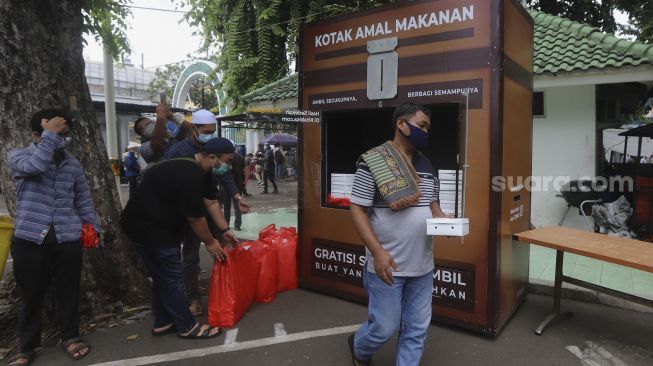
(147,132)
(203,138)
(418,138)
(221,170)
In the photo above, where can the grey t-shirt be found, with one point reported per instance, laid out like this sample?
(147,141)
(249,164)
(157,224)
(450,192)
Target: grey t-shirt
(402,233)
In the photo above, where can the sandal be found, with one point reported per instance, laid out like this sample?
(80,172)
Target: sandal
(170,329)
(27,356)
(201,331)
(76,352)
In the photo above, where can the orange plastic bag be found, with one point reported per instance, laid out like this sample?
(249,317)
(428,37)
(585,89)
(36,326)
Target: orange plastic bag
(232,287)
(89,237)
(266,254)
(285,242)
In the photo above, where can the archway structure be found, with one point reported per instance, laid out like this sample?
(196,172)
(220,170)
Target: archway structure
(198,69)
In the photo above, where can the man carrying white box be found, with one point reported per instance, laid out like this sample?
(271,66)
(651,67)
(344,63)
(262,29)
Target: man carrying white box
(395,190)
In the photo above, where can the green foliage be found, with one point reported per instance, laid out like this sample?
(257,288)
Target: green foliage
(106,20)
(258,39)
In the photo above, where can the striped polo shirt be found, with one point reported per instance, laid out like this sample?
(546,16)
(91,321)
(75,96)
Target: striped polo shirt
(402,233)
(47,194)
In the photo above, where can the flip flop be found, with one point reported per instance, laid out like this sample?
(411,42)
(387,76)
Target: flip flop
(197,333)
(171,329)
(29,356)
(76,350)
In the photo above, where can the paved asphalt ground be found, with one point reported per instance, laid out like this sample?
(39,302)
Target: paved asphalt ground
(596,333)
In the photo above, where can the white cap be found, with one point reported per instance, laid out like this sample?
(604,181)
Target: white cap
(203,117)
(133,145)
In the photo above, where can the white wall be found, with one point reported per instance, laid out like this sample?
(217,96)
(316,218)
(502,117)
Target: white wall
(563,145)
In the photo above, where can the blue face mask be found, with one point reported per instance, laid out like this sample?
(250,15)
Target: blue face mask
(418,138)
(203,138)
(221,170)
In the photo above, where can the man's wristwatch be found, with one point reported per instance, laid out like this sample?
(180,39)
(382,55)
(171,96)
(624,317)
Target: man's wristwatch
(222,231)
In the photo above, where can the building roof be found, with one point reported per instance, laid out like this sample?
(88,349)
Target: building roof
(560,45)
(563,45)
(285,88)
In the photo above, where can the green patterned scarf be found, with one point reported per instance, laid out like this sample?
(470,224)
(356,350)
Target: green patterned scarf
(394,175)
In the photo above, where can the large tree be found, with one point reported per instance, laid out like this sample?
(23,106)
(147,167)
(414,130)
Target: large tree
(43,67)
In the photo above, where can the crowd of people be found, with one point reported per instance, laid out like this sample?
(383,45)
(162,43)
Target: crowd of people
(176,203)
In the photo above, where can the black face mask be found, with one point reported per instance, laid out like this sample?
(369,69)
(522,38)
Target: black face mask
(418,138)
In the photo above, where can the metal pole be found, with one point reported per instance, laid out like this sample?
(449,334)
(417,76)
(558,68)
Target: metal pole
(110,118)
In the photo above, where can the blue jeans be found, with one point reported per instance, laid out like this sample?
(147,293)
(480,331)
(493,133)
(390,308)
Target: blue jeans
(405,307)
(169,304)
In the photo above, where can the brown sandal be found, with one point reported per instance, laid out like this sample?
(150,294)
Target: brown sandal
(28,356)
(81,345)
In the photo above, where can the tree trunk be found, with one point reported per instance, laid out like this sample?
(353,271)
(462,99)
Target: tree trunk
(43,67)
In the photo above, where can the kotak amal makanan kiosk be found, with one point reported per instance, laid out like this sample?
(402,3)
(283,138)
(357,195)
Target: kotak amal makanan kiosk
(470,62)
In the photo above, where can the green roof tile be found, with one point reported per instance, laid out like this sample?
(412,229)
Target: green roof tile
(281,89)
(560,45)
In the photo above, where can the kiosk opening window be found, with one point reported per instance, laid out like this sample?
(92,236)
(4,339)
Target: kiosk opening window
(348,134)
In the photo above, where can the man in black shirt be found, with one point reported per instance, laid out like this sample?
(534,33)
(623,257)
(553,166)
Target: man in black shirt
(171,195)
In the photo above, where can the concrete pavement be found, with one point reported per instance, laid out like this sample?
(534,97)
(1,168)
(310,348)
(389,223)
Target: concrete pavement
(600,334)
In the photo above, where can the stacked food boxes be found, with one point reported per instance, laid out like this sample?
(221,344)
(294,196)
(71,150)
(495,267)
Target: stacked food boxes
(341,185)
(448,189)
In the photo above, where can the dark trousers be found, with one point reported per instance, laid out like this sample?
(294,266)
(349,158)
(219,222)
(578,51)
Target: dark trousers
(168,301)
(190,252)
(133,185)
(34,267)
(227,200)
(268,174)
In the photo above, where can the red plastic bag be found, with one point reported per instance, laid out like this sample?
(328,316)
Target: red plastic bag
(269,231)
(89,237)
(286,244)
(232,287)
(342,202)
(266,254)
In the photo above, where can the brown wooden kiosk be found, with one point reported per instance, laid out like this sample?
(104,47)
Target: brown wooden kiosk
(354,70)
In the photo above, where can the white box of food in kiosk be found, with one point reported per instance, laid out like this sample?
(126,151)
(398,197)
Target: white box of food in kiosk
(341,187)
(340,195)
(441,226)
(342,178)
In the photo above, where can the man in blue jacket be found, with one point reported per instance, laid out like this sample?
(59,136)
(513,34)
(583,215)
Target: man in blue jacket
(53,200)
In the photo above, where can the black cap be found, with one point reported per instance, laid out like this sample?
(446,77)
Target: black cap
(49,114)
(218,146)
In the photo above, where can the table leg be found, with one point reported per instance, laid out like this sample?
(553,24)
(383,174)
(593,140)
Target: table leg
(557,294)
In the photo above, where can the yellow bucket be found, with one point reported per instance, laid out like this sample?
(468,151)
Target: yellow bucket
(6,231)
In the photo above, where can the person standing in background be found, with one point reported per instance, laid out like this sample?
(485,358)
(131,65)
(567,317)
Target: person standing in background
(268,170)
(238,171)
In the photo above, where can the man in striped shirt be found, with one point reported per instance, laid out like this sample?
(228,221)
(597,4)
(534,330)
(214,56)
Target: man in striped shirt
(399,266)
(52,202)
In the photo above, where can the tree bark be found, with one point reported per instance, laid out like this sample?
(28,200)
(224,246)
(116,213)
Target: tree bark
(43,67)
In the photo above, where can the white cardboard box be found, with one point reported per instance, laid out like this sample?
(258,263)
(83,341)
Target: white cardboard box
(447,227)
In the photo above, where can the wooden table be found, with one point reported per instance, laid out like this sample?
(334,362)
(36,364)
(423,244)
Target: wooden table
(626,252)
